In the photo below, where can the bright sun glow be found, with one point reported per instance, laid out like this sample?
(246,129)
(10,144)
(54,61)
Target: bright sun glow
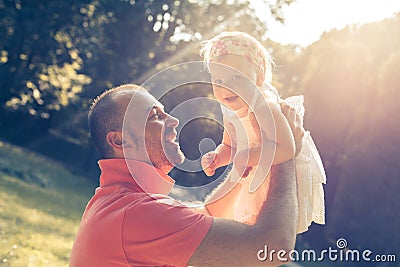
(306,20)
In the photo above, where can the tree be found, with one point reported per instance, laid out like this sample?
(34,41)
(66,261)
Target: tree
(57,56)
(351,89)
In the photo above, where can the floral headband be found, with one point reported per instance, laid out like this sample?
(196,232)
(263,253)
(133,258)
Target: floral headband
(238,46)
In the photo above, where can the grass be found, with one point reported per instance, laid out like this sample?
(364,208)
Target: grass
(41,204)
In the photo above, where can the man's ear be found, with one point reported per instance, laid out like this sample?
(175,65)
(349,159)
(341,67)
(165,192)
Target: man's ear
(114,139)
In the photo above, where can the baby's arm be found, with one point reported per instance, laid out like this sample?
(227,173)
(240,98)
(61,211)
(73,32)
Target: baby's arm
(221,156)
(222,201)
(276,129)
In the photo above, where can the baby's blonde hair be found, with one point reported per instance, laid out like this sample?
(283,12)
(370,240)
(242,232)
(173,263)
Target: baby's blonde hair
(241,44)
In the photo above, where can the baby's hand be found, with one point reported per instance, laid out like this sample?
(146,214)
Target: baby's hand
(208,163)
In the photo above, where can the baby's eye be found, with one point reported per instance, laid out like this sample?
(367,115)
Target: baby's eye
(236,77)
(218,81)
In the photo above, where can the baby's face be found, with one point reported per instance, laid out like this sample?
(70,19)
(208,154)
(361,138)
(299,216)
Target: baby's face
(234,79)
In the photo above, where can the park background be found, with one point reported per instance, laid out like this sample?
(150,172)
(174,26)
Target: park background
(56,56)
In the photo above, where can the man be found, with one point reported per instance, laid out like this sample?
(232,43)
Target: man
(131,222)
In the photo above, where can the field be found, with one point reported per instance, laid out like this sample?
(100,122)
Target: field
(41,204)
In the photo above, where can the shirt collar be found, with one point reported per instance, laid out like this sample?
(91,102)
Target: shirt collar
(137,174)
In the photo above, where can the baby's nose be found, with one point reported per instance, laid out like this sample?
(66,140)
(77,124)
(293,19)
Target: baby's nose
(227,88)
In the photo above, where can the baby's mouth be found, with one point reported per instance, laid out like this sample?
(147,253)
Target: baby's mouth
(230,99)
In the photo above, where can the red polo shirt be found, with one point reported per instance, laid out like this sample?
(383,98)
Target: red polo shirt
(131,222)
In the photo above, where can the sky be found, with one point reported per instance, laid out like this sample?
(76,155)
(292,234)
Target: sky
(306,20)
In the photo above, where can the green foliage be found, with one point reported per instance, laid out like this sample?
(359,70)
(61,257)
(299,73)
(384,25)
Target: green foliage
(52,51)
(55,56)
(42,63)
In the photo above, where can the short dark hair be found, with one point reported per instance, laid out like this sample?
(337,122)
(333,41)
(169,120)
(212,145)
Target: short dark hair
(106,115)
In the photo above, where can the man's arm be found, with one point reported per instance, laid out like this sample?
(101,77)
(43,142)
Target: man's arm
(229,243)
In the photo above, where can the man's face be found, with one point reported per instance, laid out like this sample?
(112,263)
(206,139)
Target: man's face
(153,132)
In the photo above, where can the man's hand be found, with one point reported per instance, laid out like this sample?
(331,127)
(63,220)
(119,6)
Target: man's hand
(296,124)
(209,163)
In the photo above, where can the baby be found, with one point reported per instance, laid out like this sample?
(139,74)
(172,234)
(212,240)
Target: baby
(257,134)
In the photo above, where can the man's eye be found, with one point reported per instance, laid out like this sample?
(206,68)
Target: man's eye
(154,116)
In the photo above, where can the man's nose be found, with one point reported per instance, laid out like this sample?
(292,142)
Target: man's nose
(171,121)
